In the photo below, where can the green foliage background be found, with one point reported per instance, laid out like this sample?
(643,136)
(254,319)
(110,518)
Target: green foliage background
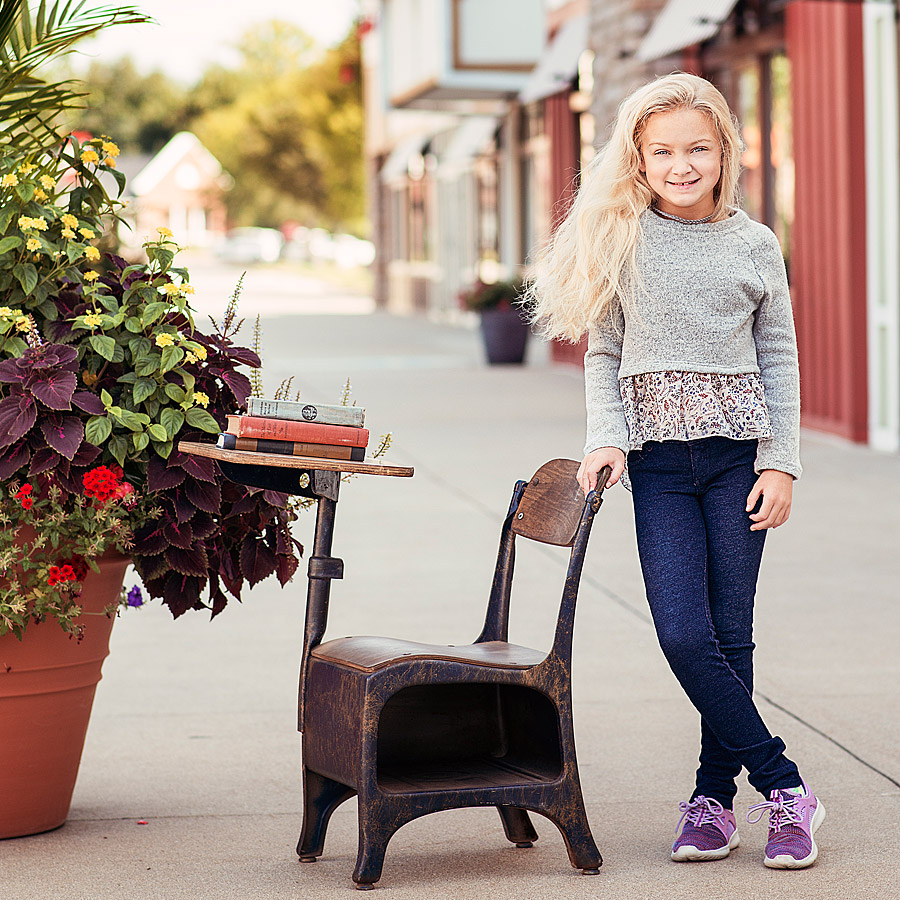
(286,124)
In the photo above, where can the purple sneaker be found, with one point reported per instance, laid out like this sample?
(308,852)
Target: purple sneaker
(708,831)
(794,816)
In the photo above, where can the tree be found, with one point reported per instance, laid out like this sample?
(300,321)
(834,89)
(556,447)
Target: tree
(31,108)
(292,135)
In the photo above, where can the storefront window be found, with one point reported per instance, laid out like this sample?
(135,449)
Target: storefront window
(782,154)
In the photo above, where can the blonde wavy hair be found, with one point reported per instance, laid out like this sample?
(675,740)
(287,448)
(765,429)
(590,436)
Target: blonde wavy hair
(592,258)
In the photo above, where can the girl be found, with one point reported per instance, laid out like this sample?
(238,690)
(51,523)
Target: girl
(691,371)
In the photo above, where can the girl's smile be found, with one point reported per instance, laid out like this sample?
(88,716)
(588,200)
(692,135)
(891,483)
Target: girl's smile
(682,162)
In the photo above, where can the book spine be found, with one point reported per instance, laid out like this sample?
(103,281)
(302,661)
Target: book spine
(305,432)
(306,412)
(290,448)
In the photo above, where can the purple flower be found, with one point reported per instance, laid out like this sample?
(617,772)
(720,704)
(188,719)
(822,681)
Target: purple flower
(134,597)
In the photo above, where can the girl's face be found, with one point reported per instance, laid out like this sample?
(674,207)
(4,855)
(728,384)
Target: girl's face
(682,161)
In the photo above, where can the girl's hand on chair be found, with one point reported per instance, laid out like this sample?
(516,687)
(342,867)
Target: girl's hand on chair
(776,489)
(595,461)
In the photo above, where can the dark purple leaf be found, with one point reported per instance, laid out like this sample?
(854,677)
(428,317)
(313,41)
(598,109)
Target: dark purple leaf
(188,562)
(10,372)
(43,459)
(276,498)
(219,600)
(18,413)
(244,504)
(60,353)
(182,593)
(203,525)
(89,402)
(239,384)
(13,460)
(245,356)
(257,559)
(55,389)
(285,566)
(179,535)
(184,509)
(161,477)
(86,454)
(149,540)
(64,434)
(203,495)
(199,466)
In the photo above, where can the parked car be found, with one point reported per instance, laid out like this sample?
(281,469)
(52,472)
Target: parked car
(249,245)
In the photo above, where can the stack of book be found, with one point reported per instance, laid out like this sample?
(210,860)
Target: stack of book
(298,429)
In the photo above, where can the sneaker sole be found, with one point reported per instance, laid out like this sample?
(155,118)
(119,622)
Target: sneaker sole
(687,853)
(788,862)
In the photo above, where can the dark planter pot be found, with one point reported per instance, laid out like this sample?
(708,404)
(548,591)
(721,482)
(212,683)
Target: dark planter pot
(504,333)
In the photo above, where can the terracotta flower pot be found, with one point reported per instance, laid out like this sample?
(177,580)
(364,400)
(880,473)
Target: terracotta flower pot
(47,684)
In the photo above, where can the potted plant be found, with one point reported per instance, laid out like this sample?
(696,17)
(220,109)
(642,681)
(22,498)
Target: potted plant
(102,373)
(503,327)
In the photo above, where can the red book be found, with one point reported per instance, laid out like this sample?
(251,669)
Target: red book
(305,432)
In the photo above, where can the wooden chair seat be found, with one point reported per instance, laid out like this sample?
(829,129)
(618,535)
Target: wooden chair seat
(369,654)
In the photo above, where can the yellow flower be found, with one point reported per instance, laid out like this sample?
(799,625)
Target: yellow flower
(162,231)
(32,244)
(109,162)
(187,289)
(39,222)
(27,167)
(164,340)
(92,319)
(23,323)
(170,289)
(92,253)
(89,156)
(86,233)
(68,233)
(25,222)
(110,149)
(91,276)
(201,352)
(9,180)
(69,220)
(47,182)
(189,357)
(40,195)
(7,313)
(200,398)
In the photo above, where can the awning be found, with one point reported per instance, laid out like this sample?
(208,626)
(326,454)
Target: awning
(397,164)
(558,64)
(469,140)
(682,23)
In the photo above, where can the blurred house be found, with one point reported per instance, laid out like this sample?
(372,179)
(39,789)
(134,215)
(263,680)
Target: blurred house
(182,188)
(814,83)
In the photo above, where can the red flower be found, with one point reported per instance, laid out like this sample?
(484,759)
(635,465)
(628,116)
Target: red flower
(27,503)
(22,496)
(101,483)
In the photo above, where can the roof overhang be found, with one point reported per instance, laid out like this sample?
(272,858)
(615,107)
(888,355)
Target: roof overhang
(683,23)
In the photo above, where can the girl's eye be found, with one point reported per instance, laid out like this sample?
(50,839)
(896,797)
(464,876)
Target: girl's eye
(659,152)
(701,148)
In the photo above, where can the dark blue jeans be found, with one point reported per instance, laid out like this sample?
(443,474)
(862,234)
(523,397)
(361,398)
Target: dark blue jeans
(700,562)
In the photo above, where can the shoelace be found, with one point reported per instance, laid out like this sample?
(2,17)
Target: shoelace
(700,811)
(781,812)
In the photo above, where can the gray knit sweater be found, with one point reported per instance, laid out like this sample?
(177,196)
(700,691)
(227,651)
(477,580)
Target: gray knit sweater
(714,299)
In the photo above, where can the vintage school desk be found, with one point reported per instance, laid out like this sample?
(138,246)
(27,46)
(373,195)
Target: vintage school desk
(414,728)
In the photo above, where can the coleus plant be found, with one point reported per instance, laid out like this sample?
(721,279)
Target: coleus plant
(108,368)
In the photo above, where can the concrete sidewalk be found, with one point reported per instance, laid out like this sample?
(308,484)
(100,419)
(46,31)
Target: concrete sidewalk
(194,722)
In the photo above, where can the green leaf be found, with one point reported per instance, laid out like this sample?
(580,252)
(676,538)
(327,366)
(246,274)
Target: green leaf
(187,378)
(118,446)
(144,388)
(120,181)
(97,430)
(148,365)
(171,356)
(127,378)
(158,433)
(139,346)
(163,450)
(140,441)
(153,311)
(6,214)
(130,420)
(105,398)
(133,324)
(104,345)
(10,242)
(172,420)
(26,275)
(25,190)
(173,392)
(200,418)
(118,354)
